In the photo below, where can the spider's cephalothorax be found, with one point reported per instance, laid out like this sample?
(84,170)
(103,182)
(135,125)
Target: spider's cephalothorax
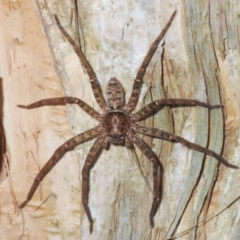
(118,125)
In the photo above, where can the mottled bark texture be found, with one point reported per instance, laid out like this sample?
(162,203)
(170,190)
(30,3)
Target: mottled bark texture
(198,59)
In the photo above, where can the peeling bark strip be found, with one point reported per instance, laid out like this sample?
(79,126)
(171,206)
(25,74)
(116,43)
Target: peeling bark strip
(2,150)
(118,126)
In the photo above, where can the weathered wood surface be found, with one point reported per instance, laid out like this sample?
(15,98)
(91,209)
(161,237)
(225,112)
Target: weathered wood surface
(199,59)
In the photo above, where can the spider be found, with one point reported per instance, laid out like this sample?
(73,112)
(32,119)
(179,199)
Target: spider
(118,125)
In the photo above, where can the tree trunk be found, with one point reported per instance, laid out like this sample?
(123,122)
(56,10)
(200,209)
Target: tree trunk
(198,59)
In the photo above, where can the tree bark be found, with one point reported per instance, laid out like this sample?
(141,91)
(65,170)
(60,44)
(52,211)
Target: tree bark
(198,59)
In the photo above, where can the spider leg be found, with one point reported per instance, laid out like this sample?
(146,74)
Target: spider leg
(157,105)
(92,157)
(154,132)
(56,157)
(93,79)
(128,143)
(141,72)
(63,101)
(157,176)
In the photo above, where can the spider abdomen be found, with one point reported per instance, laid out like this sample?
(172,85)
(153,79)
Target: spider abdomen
(115,94)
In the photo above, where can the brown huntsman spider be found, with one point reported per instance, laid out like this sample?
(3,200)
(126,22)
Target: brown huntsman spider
(118,125)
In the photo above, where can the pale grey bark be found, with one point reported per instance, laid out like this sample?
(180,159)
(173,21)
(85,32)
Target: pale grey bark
(199,59)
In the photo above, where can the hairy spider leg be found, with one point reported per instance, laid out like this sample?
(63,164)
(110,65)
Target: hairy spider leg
(154,132)
(63,101)
(56,157)
(157,105)
(137,85)
(157,176)
(92,76)
(92,157)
